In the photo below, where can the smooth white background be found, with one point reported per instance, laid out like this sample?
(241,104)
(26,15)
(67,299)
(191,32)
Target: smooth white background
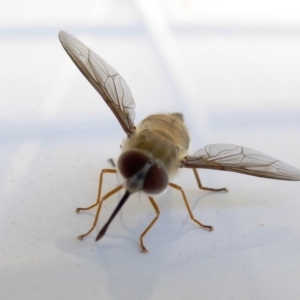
(232,68)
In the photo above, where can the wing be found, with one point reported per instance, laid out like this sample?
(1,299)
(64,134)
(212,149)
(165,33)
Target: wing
(228,157)
(105,79)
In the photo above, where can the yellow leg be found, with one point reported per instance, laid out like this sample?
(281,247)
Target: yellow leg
(177,187)
(206,188)
(105,197)
(104,171)
(99,200)
(150,225)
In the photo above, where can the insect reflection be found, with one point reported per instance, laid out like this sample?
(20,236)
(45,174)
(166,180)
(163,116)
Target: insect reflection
(157,147)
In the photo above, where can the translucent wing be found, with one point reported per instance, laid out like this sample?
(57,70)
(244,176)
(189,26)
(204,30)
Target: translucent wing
(228,157)
(104,78)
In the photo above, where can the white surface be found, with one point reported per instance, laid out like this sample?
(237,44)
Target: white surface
(233,71)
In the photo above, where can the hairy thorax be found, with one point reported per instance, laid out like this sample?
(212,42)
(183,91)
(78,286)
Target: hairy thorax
(163,138)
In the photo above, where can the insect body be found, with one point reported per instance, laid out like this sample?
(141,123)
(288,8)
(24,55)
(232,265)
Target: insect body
(158,146)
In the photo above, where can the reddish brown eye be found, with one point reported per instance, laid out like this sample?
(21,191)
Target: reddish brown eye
(130,162)
(156,180)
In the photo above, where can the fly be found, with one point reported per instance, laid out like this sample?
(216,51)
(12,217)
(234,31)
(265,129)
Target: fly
(157,147)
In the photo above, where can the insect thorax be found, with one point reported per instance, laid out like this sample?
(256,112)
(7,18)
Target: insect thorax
(163,137)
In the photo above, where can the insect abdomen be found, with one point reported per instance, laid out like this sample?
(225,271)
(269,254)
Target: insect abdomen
(171,125)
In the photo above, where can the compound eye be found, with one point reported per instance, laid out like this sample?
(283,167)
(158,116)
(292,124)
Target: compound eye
(130,162)
(156,180)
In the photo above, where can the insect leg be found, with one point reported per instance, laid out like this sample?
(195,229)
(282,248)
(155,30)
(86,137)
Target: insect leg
(177,187)
(206,188)
(104,171)
(105,197)
(150,225)
(112,162)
